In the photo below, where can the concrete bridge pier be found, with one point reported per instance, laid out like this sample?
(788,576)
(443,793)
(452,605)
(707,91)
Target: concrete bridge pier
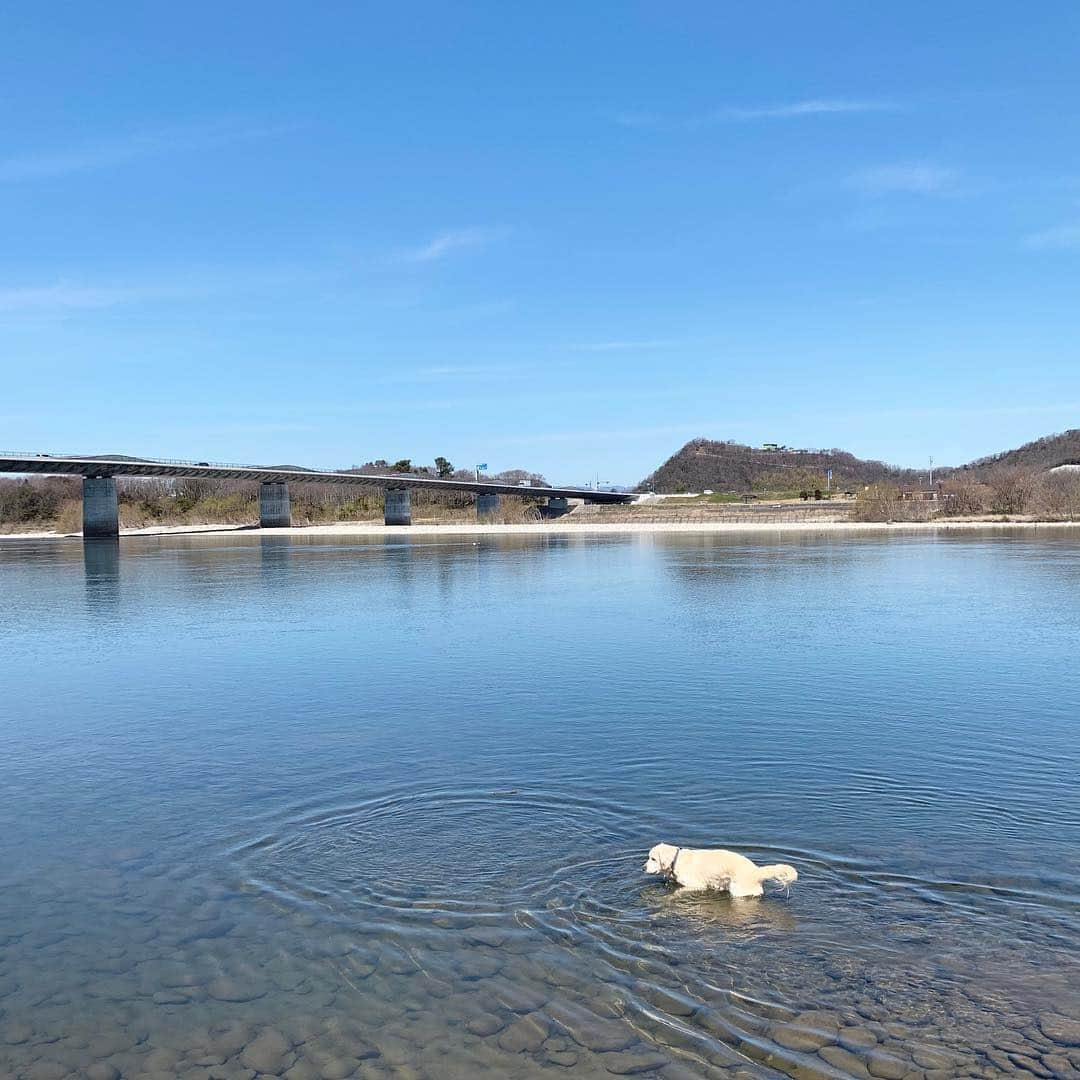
(274,510)
(397,506)
(487,505)
(100,509)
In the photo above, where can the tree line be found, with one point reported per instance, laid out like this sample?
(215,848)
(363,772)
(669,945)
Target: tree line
(1001,490)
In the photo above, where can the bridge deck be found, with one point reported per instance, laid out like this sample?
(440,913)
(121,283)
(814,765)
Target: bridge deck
(71,465)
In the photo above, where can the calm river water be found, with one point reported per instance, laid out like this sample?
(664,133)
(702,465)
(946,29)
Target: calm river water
(279,806)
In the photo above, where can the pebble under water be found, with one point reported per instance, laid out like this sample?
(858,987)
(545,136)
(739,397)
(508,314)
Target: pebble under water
(331,808)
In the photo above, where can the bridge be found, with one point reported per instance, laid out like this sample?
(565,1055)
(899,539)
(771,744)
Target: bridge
(101,516)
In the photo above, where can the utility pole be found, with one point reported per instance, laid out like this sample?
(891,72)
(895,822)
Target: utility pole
(931,470)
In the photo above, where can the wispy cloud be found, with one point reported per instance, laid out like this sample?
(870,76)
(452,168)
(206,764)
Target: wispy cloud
(450,241)
(68,297)
(631,344)
(808,107)
(458,372)
(789,110)
(111,151)
(914,178)
(1059,238)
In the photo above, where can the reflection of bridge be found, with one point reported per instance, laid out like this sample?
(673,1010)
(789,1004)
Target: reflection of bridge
(101,512)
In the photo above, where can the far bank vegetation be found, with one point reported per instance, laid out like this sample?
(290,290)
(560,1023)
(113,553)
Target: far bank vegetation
(1002,491)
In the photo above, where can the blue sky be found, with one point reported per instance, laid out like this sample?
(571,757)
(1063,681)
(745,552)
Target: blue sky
(564,236)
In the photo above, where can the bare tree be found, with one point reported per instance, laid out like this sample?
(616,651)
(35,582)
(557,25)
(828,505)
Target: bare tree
(1011,489)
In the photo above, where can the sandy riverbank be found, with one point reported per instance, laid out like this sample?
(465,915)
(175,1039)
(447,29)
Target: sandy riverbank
(563,528)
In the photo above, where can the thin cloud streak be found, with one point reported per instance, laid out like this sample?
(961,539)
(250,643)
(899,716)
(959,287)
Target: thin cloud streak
(1059,238)
(913,178)
(112,151)
(791,110)
(646,343)
(66,297)
(454,372)
(810,107)
(450,241)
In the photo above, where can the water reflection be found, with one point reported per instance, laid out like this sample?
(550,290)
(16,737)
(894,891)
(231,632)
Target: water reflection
(101,562)
(707,911)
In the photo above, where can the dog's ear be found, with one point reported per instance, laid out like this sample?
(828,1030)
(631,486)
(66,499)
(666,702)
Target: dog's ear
(665,854)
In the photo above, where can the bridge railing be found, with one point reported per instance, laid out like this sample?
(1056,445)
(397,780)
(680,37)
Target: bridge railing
(130,460)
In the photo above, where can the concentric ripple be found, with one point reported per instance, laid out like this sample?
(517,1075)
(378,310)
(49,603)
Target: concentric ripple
(457,850)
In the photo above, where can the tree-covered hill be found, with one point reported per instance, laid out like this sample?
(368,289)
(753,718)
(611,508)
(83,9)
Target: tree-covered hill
(733,467)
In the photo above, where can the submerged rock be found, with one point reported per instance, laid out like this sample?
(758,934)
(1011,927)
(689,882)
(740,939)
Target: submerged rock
(1063,1030)
(632,1062)
(485,1024)
(267,1052)
(102,1070)
(887,1066)
(526,1033)
(226,989)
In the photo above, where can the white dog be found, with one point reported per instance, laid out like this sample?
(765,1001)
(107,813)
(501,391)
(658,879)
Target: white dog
(704,868)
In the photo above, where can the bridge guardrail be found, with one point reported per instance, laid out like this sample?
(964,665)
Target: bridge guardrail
(137,460)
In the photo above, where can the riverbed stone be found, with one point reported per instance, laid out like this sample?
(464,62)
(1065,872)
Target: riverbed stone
(1063,1030)
(632,1062)
(1059,1065)
(480,965)
(669,1001)
(801,1036)
(303,1070)
(590,1031)
(856,1038)
(491,936)
(170,997)
(485,1024)
(1029,1064)
(886,1066)
(102,1070)
(16,1032)
(267,1052)
(45,1069)
(526,1034)
(361,965)
(229,1039)
(844,1060)
(339,1068)
(929,1057)
(234,990)
(516,998)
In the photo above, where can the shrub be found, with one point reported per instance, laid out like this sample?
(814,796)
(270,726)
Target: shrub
(1057,497)
(965,495)
(882,502)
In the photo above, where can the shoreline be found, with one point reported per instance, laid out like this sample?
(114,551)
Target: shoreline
(565,528)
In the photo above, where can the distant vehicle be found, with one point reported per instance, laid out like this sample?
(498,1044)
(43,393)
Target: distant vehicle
(524,483)
(204,464)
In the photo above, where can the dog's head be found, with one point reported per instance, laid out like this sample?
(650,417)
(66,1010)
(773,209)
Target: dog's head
(785,874)
(660,859)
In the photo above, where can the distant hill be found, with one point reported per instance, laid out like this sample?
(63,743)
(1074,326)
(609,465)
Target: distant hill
(735,468)
(1037,456)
